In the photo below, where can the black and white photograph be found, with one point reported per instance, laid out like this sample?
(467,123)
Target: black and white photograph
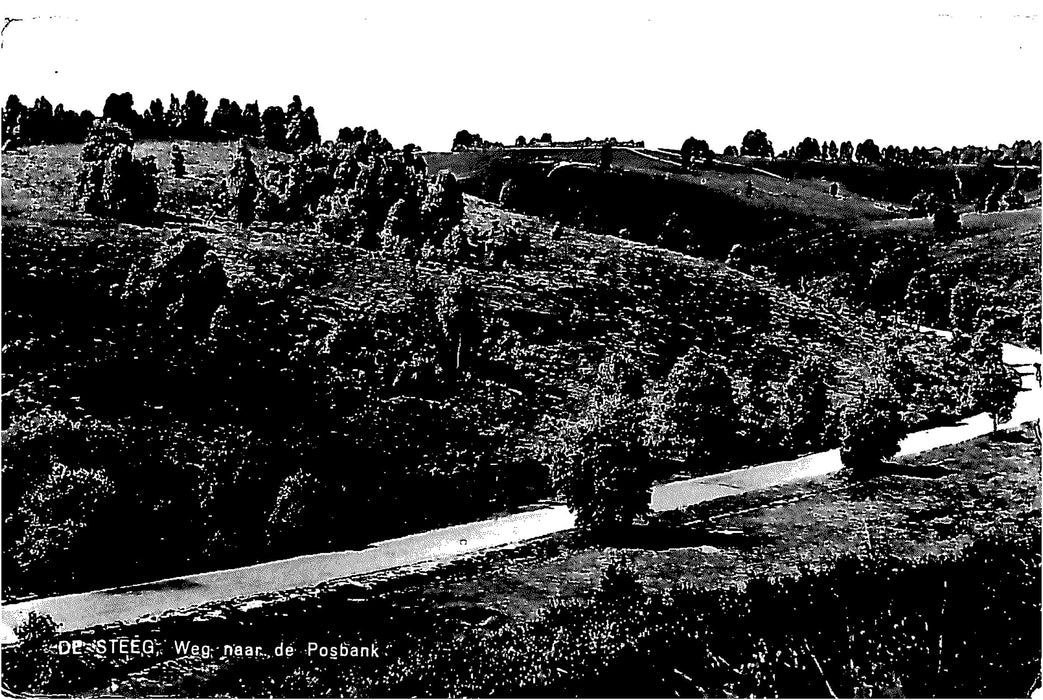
(559,349)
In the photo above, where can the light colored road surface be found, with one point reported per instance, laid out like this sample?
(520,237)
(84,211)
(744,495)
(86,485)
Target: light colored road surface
(81,610)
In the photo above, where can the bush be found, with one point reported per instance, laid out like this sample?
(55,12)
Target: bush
(112,182)
(599,468)
(30,667)
(873,427)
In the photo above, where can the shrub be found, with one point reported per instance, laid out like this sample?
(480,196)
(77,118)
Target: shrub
(873,427)
(112,182)
(177,161)
(600,468)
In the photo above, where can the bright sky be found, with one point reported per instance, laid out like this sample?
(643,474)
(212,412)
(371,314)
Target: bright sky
(920,72)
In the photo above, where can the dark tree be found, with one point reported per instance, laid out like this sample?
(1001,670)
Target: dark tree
(994,389)
(693,149)
(465,140)
(946,220)
(730,151)
(302,130)
(120,109)
(251,125)
(696,413)
(273,128)
(867,152)
(756,143)
(520,141)
(14,111)
(155,120)
(605,161)
(964,306)
(177,161)
(227,119)
(873,427)
(599,468)
(243,186)
(808,149)
(112,182)
(193,117)
(805,403)
(460,318)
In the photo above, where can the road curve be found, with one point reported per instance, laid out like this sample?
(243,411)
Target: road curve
(127,604)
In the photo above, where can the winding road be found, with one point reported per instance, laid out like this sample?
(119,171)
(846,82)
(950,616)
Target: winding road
(127,604)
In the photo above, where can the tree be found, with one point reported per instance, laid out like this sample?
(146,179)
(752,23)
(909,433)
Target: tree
(946,220)
(599,467)
(14,111)
(545,137)
(847,151)
(605,162)
(519,142)
(465,140)
(120,109)
(925,300)
(1031,325)
(460,318)
(833,151)
(808,149)
(242,186)
(872,427)
(227,119)
(756,143)
(731,151)
(177,161)
(251,122)
(112,182)
(867,152)
(32,667)
(994,389)
(65,520)
(963,306)
(696,414)
(305,508)
(805,403)
(693,149)
(273,128)
(302,129)
(154,120)
(193,117)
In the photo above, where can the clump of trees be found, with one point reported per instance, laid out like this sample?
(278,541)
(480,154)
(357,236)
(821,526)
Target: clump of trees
(806,407)
(872,427)
(291,129)
(693,150)
(599,465)
(756,143)
(695,416)
(112,181)
(994,389)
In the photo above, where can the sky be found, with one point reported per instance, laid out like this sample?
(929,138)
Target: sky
(915,72)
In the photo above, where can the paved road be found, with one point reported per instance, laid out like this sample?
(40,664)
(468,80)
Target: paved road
(77,611)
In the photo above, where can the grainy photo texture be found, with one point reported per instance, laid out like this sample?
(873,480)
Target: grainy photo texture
(543,349)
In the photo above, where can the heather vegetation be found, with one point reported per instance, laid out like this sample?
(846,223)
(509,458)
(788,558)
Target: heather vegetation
(317,326)
(252,343)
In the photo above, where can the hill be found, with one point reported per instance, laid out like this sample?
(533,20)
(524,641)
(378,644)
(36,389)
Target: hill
(325,372)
